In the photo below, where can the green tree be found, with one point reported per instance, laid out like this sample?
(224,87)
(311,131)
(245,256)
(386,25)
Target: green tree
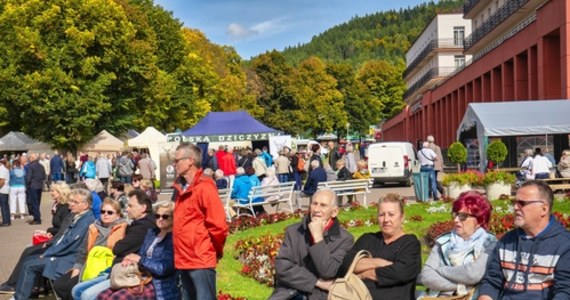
(70,68)
(318,105)
(268,79)
(385,88)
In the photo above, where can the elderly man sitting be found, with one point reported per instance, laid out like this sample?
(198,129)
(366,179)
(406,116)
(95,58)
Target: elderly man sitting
(60,257)
(312,252)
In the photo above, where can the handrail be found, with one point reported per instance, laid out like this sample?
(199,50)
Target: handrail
(433,44)
(503,13)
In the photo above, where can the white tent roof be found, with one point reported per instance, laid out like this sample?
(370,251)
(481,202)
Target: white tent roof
(104,141)
(150,136)
(152,139)
(516,118)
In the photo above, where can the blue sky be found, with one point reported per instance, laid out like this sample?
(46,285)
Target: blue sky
(255,26)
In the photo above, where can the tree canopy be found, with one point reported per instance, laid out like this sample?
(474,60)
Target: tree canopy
(69,69)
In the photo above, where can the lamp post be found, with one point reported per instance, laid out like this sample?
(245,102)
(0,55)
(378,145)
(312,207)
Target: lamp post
(347,130)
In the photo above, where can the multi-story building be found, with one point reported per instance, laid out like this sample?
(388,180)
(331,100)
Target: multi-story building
(435,54)
(520,51)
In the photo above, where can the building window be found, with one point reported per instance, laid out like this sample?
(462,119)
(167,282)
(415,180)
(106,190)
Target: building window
(458,35)
(459,61)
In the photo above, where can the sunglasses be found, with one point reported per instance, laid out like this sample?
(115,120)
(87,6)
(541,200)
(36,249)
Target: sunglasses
(522,203)
(164,217)
(461,215)
(107,212)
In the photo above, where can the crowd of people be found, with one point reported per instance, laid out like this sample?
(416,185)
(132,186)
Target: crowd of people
(540,165)
(173,243)
(242,170)
(177,244)
(24,177)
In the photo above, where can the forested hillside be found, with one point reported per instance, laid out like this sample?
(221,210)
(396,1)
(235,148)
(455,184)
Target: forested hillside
(383,35)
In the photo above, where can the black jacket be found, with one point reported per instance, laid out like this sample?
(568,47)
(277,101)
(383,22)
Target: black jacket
(35,175)
(134,237)
(61,211)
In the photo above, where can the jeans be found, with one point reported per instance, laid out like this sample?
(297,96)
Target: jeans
(541,175)
(88,290)
(55,177)
(5,207)
(27,277)
(125,179)
(199,284)
(283,177)
(432,180)
(35,197)
(297,178)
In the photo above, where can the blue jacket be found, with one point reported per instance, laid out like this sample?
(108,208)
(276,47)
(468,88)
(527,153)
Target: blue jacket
(241,187)
(160,264)
(56,165)
(508,272)
(88,169)
(315,176)
(61,255)
(96,205)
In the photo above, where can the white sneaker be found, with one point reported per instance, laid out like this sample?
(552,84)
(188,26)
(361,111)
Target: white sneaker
(12,217)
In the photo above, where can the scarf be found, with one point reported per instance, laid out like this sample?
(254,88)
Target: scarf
(461,252)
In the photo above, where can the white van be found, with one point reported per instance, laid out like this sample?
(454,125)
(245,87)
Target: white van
(392,162)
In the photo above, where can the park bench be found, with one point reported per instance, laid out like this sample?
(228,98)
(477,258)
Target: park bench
(349,187)
(272,194)
(558,183)
(225,196)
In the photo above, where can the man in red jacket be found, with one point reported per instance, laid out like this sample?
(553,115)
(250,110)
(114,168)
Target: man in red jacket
(200,228)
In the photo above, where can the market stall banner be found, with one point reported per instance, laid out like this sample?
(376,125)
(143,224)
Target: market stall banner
(221,137)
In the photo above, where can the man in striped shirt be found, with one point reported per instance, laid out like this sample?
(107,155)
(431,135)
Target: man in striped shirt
(533,260)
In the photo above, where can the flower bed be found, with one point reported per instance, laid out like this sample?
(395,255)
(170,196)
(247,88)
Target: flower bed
(245,222)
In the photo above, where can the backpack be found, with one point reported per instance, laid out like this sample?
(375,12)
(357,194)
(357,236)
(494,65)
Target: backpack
(350,287)
(99,259)
(301,164)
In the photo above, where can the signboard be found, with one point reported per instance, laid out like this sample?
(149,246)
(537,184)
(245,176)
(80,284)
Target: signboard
(263,136)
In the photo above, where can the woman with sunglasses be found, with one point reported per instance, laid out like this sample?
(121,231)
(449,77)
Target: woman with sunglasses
(106,231)
(458,259)
(156,257)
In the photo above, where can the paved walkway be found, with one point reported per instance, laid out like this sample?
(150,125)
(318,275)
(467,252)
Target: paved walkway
(15,238)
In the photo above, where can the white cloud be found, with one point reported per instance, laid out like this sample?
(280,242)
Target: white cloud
(239,31)
(269,27)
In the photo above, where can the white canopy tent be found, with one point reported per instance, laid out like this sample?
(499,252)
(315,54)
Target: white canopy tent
(516,118)
(151,139)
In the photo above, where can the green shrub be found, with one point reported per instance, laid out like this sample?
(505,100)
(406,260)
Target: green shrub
(497,152)
(457,153)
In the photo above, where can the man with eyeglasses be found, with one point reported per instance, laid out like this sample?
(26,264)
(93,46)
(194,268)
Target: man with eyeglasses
(533,260)
(200,228)
(60,257)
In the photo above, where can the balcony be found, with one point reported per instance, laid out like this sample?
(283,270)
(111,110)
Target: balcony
(468,5)
(434,44)
(434,73)
(507,10)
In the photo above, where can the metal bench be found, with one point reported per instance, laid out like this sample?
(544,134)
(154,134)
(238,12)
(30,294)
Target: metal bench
(349,187)
(271,194)
(225,196)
